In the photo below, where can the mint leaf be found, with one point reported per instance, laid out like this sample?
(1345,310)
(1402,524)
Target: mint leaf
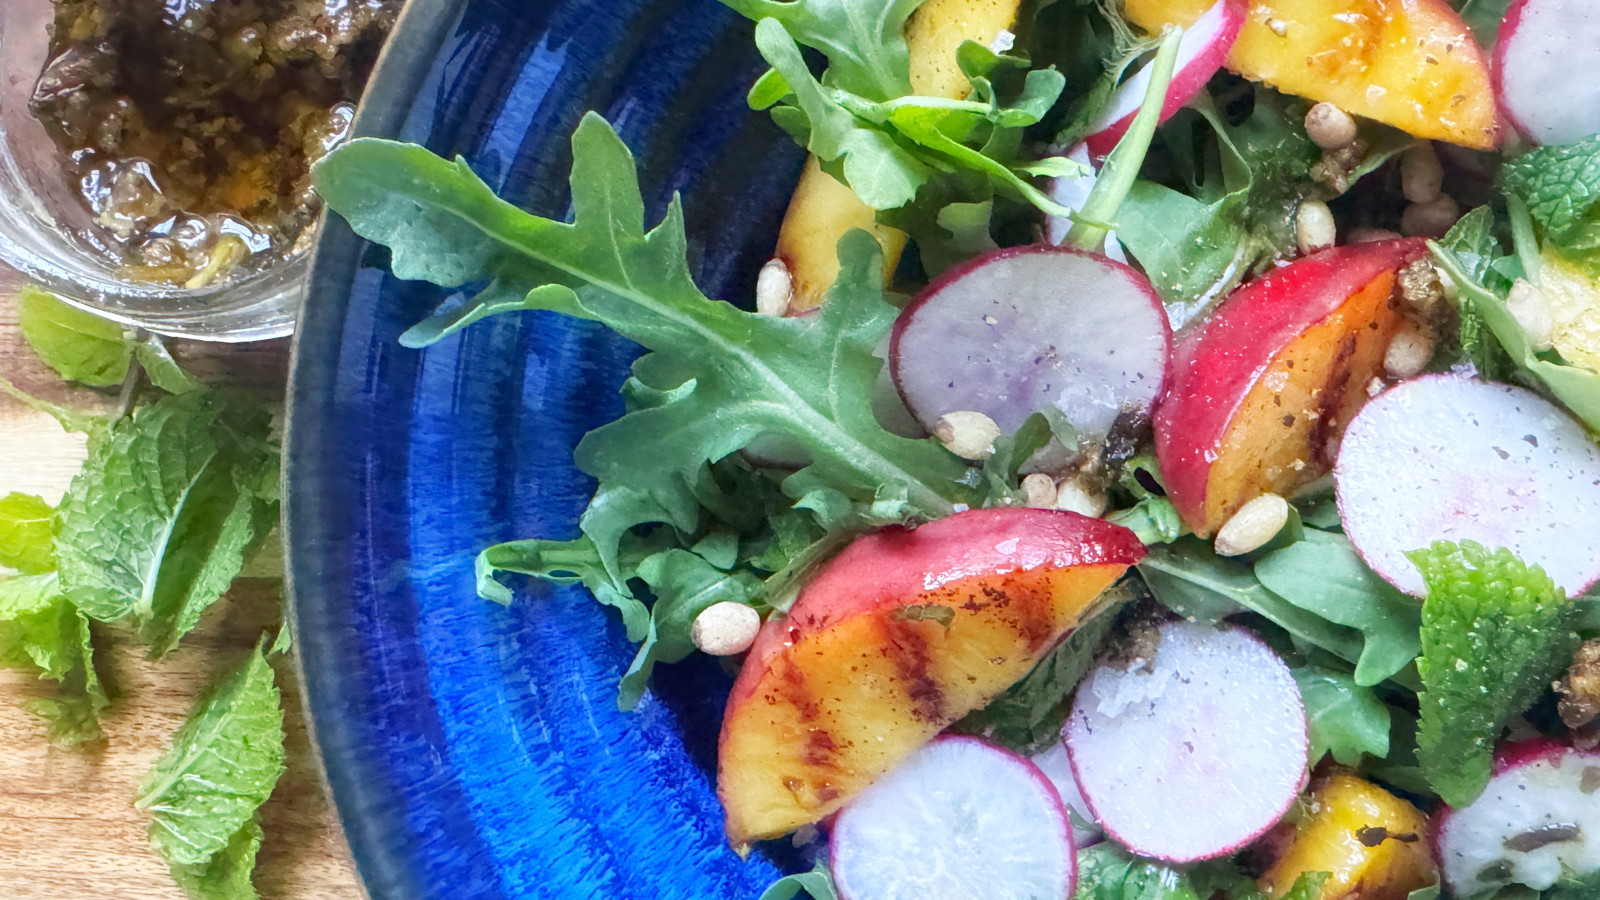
(26,542)
(1324,575)
(222,765)
(170,502)
(83,347)
(41,631)
(1345,719)
(1561,186)
(1107,872)
(226,876)
(1495,634)
(80,346)
(816,884)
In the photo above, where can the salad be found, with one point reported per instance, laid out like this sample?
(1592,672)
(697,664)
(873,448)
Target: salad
(1158,462)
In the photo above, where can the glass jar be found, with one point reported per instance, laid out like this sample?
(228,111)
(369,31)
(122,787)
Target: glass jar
(47,231)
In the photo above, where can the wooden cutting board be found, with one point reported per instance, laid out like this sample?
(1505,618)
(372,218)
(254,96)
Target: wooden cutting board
(68,829)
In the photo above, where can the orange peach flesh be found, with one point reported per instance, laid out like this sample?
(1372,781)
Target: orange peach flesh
(1329,840)
(1412,64)
(1285,432)
(841,706)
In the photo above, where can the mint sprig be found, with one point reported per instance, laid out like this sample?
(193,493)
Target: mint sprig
(1495,633)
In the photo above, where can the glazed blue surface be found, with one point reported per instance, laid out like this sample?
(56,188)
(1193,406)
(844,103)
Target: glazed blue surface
(475,751)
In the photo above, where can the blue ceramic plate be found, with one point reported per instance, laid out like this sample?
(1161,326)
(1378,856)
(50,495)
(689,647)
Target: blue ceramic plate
(475,752)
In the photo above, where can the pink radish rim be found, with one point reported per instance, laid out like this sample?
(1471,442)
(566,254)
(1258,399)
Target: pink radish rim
(1077,775)
(1033,771)
(955,273)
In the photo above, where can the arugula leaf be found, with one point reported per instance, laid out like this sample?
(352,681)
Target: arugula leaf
(223,764)
(685,584)
(1561,186)
(1495,633)
(83,347)
(41,631)
(1345,719)
(1190,579)
(160,520)
(226,876)
(1323,575)
(1028,716)
(865,45)
(1484,17)
(816,884)
(718,377)
(25,534)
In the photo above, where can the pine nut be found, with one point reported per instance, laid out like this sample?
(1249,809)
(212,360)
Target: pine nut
(1330,127)
(967,433)
(1313,226)
(1256,523)
(726,628)
(1421,176)
(774,288)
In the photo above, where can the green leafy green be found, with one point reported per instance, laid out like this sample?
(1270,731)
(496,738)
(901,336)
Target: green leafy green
(1576,387)
(1324,575)
(160,520)
(865,46)
(1483,17)
(716,379)
(1561,186)
(1028,716)
(1345,719)
(1495,634)
(1108,872)
(816,884)
(40,631)
(227,875)
(26,541)
(88,349)
(685,584)
(1473,243)
(223,764)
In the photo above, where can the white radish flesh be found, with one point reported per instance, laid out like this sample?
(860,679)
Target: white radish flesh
(1029,328)
(958,818)
(1547,69)
(1201,52)
(1451,458)
(1057,766)
(1195,753)
(1540,814)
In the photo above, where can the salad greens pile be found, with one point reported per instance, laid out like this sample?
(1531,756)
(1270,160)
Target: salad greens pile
(688,511)
(179,491)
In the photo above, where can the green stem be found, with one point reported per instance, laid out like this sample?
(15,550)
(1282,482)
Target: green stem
(1122,166)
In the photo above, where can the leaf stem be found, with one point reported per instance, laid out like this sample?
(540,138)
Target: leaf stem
(1089,228)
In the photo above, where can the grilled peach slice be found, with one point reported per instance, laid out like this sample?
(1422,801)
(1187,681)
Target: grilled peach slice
(1410,63)
(1372,844)
(1259,392)
(897,637)
(823,209)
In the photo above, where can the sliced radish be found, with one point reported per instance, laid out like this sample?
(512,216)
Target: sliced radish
(1194,753)
(1057,766)
(1201,52)
(1547,69)
(1073,193)
(1539,815)
(958,818)
(1451,458)
(1028,328)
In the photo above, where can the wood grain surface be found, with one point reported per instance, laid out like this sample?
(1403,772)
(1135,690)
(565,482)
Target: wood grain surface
(68,828)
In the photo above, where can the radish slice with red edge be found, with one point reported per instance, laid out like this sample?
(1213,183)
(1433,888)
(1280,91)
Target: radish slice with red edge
(1201,52)
(1539,815)
(1547,69)
(1195,752)
(1027,328)
(1056,765)
(958,818)
(1451,458)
